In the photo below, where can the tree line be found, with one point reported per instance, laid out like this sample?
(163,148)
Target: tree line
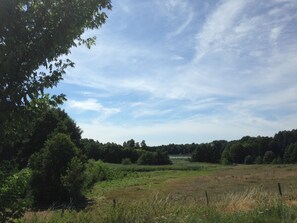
(282,148)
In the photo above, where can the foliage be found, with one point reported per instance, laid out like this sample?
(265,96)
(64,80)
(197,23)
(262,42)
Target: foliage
(38,33)
(290,155)
(258,160)
(34,35)
(73,180)
(225,158)
(126,161)
(109,152)
(14,195)
(53,121)
(48,166)
(95,171)
(92,149)
(154,158)
(207,152)
(248,160)
(237,153)
(268,157)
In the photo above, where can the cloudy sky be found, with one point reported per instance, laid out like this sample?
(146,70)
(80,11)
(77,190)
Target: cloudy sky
(183,71)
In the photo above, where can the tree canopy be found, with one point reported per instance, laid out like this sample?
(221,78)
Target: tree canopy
(33,37)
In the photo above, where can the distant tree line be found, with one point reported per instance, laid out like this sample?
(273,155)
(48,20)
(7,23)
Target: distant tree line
(282,148)
(131,150)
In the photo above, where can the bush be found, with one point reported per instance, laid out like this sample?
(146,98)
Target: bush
(258,160)
(154,158)
(126,161)
(74,178)
(248,160)
(268,157)
(14,196)
(48,166)
(95,171)
(225,158)
(290,155)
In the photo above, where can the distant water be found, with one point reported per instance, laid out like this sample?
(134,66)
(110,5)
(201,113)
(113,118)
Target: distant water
(179,157)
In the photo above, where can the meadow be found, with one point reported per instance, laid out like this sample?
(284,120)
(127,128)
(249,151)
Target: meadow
(187,192)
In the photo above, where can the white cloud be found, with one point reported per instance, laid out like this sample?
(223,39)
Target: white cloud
(183,26)
(221,21)
(237,83)
(199,129)
(275,32)
(91,105)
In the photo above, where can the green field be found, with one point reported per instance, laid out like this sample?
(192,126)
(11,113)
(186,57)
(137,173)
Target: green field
(177,193)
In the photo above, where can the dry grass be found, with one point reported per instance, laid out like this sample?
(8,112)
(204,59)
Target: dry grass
(180,197)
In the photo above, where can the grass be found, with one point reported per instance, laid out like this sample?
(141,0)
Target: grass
(177,194)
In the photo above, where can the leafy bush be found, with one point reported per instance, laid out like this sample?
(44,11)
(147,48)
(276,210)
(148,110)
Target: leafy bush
(74,178)
(14,196)
(225,158)
(248,160)
(268,157)
(95,171)
(126,161)
(290,155)
(49,165)
(154,158)
(258,160)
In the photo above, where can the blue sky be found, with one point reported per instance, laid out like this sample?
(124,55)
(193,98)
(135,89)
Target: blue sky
(183,71)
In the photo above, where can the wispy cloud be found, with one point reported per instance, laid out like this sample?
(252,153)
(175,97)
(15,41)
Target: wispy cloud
(91,105)
(221,21)
(179,71)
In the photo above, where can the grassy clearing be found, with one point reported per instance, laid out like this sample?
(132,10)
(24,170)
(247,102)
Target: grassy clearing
(252,206)
(177,194)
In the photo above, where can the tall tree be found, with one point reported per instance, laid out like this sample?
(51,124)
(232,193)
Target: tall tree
(34,35)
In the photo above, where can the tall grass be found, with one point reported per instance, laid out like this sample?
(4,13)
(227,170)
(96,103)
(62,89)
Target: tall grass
(253,205)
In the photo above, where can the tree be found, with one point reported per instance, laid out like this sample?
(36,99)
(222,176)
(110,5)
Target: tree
(225,158)
(74,178)
(35,34)
(268,157)
(48,166)
(53,121)
(143,144)
(237,153)
(248,160)
(154,158)
(92,149)
(290,155)
(131,143)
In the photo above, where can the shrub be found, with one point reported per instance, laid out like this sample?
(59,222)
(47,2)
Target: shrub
(225,158)
(95,171)
(290,155)
(248,160)
(74,178)
(48,166)
(126,161)
(268,157)
(154,158)
(14,196)
(258,160)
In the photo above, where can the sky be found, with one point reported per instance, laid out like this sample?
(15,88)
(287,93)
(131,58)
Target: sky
(184,71)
